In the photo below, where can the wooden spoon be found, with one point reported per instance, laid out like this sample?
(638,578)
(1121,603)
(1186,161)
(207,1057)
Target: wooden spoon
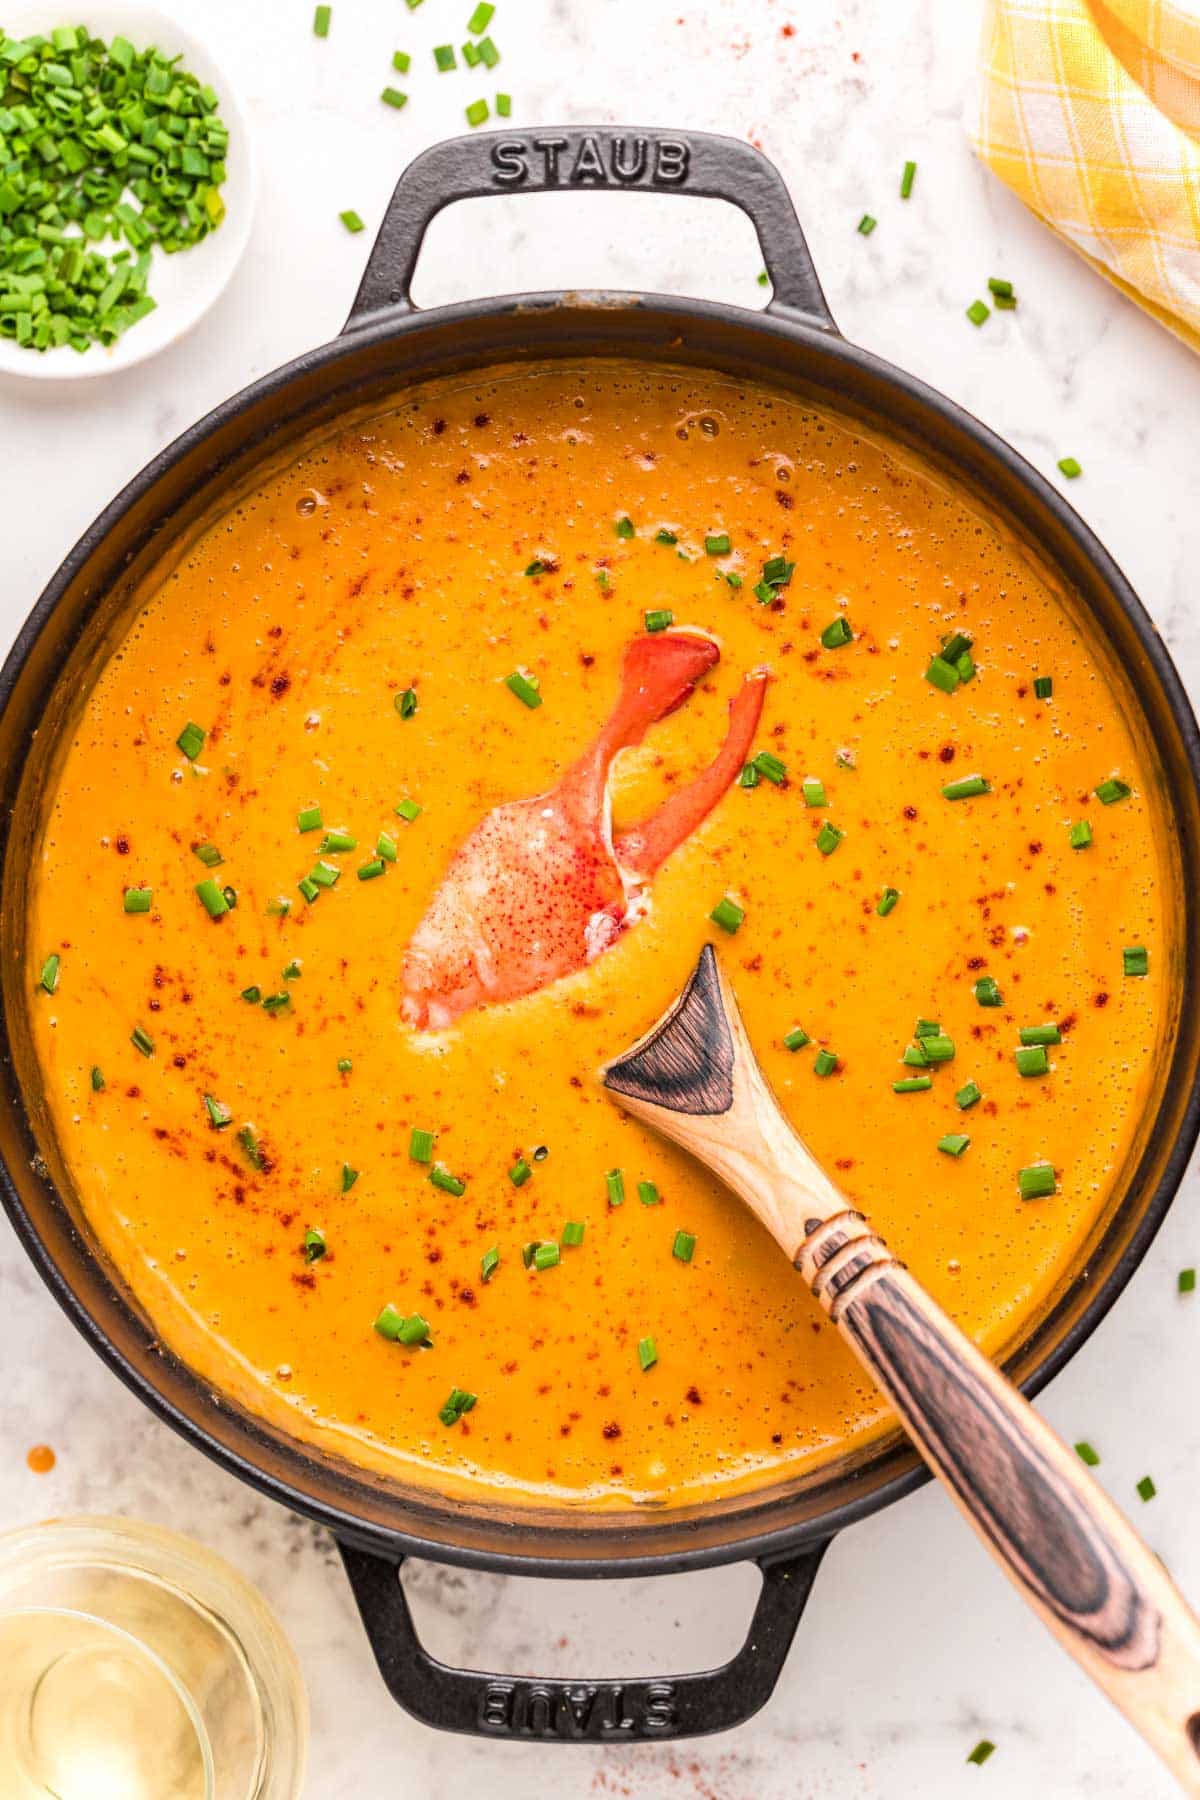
(1053,1529)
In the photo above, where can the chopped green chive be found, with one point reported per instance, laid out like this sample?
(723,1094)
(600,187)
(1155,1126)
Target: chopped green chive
(371,871)
(48,979)
(406,702)
(763,279)
(814,793)
(525,687)
(717,543)
(385,847)
(938,1049)
(401,61)
(1146,1488)
(409,811)
(1187,1277)
(970,1095)
(572,1234)
(663,536)
(1112,790)
(836,633)
(344,1065)
(749,777)
(219,1115)
(489,1263)
(393,97)
(212,899)
(1081,835)
(351,220)
(190,741)
(1041,1034)
(954,1143)
(964,666)
(987,993)
(888,901)
(444,57)
(1136,960)
(915,1057)
(1069,467)
(615,1183)
(658,621)
(1037,1182)
(547,1256)
(471,56)
(309,819)
(648,1193)
(273,1003)
(727,914)
(777,571)
(1086,1454)
(208,854)
(967,788)
(825,1062)
(308,888)
(913,1084)
(927,1028)
(325,874)
(460,1401)
(1043,687)
(647,1353)
(97,1079)
(866,225)
(349,1177)
(907,179)
(982,1751)
(321,20)
(334,841)
(441,1177)
(279,907)
(942,674)
(401,1328)
(247,1137)
(252,995)
(796,1039)
(770,767)
(624,527)
(828,838)
(978,311)
(481,18)
(684,1246)
(520,1172)
(420,1145)
(504,106)
(489,56)
(314,1244)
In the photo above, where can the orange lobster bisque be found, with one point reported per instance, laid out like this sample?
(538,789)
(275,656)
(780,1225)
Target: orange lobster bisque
(524,526)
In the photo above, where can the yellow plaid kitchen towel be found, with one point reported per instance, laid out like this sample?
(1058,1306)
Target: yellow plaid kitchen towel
(1091,113)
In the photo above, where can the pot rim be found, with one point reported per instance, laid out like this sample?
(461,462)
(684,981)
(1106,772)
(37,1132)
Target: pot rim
(907,1472)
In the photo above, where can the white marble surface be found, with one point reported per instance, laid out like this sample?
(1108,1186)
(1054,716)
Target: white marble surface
(913,1647)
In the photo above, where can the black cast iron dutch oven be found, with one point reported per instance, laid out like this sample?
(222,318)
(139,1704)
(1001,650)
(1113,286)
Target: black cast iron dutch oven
(794,344)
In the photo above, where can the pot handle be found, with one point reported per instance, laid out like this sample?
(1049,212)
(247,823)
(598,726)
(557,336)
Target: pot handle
(577,158)
(521,1707)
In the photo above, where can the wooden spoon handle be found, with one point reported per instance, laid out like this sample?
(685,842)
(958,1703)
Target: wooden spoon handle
(1049,1524)
(1056,1533)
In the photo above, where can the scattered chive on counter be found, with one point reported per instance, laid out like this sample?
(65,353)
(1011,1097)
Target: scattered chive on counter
(983,1749)
(102,143)
(394,98)
(1087,1454)
(1146,1488)
(351,220)
(477,113)
(321,20)
(866,225)
(978,311)
(907,179)
(1186,1283)
(1069,467)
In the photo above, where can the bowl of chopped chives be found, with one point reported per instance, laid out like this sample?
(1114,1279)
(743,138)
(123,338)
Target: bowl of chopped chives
(126,188)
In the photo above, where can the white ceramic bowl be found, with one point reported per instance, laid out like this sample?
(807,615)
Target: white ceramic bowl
(184,285)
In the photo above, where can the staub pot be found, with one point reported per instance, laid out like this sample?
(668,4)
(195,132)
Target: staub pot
(388,343)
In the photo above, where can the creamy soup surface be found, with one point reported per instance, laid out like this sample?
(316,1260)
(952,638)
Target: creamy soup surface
(395,556)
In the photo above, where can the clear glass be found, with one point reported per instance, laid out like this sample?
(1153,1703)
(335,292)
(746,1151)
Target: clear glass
(136,1665)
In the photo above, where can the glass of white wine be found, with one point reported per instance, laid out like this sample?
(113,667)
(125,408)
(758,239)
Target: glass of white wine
(136,1665)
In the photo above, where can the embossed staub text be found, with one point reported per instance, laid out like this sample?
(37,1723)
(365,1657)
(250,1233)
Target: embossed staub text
(583,158)
(599,1711)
